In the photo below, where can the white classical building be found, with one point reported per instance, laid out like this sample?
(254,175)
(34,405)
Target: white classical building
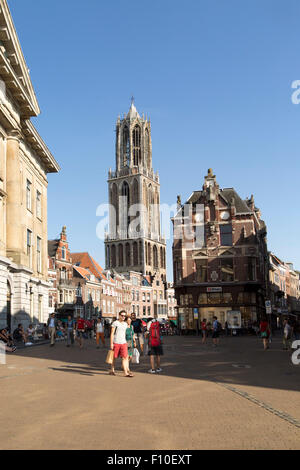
(25,161)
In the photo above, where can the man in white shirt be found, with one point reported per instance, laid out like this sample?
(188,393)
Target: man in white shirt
(118,344)
(287,335)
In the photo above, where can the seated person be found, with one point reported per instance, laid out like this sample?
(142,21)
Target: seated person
(19,334)
(30,333)
(7,340)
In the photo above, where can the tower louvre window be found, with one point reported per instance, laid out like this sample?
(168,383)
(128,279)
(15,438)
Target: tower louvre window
(126,147)
(136,138)
(147,149)
(125,206)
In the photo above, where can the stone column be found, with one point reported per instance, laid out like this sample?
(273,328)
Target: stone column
(14,185)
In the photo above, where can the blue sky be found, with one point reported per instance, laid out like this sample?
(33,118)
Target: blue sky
(215,77)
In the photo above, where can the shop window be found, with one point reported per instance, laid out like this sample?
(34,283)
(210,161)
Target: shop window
(251,269)
(227,298)
(201,270)
(214,298)
(227,271)
(202,299)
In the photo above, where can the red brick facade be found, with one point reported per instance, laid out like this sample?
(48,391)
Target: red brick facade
(220,265)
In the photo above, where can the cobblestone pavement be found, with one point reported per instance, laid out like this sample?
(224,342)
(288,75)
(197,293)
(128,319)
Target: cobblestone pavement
(236,396)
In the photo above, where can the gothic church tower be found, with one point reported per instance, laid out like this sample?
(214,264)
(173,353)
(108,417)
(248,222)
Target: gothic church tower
(134,242)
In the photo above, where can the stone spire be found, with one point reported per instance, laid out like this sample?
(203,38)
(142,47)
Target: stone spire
(133,114)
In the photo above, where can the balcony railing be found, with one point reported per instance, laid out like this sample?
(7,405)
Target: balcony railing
(124,235)
(65,282)
(134,171)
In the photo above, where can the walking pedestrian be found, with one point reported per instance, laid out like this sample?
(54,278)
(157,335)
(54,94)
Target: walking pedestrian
(100,332)
(80,329)
(130,338)
(52,324)
(118,344)
(216,332)
(138,331)
(264,332)
(203,329)
(297,330)
(155,345)
(287,335)
(70,325)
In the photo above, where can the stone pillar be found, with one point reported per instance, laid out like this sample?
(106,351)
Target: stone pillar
(14,185)
(45,234)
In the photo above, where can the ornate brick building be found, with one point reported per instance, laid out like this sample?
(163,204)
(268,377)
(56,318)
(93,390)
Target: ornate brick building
(134,191)
(62,291)
(220,261)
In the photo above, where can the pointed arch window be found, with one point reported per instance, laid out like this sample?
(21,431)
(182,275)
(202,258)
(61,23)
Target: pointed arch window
(155,257)
(115,203)
(113,256)
(121,259)
(125,206)
(135,254)
(150,203)
(126,147)
(147,149)
(136,138)
(128,255)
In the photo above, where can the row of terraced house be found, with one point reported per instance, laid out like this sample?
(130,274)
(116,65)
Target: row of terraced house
(80,287)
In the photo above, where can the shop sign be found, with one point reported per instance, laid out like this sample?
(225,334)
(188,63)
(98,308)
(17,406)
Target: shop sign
(214,289)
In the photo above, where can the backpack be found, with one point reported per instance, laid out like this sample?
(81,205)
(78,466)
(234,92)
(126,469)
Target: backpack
(80,324)
(155,334)
(219,329)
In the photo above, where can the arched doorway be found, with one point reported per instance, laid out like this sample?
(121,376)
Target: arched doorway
(8,306)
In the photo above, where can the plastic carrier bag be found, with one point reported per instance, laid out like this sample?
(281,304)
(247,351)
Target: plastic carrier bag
(135,356)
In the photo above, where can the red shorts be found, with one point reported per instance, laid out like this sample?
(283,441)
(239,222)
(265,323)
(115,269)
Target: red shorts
(120,350)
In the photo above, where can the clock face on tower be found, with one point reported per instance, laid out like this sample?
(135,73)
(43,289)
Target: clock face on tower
(225,215)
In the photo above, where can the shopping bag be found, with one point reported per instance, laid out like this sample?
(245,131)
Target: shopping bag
(110,357)
(135,356)
(146,348)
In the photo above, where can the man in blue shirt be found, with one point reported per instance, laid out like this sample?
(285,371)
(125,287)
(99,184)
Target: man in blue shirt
(70,331)
(216,332)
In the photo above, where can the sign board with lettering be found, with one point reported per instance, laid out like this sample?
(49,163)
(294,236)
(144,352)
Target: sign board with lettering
(268,306)
(214,289)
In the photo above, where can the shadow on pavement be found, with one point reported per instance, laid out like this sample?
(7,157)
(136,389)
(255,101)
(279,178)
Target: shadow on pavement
(240,361)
